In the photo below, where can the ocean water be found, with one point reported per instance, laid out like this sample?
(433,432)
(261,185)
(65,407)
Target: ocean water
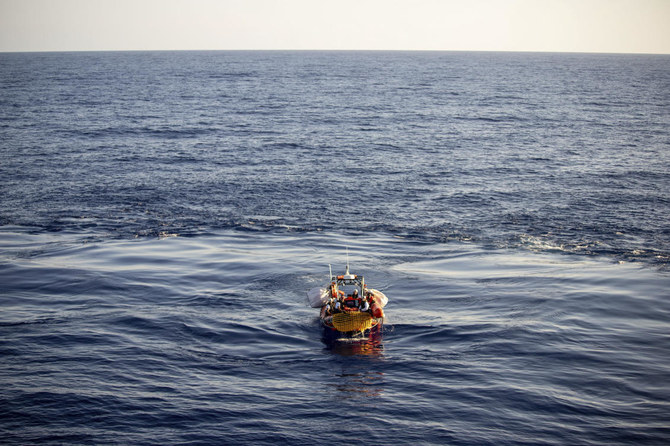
(162,215)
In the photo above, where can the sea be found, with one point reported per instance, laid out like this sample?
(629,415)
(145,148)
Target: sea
(162,215)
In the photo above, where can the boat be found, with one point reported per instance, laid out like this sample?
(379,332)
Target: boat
(349,309)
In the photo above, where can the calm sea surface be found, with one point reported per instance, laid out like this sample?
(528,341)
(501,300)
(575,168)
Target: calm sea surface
(163,213)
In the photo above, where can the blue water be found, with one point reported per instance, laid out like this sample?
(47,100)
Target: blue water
(162,215)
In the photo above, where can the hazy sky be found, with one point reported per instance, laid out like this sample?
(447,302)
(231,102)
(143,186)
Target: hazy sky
(626,26)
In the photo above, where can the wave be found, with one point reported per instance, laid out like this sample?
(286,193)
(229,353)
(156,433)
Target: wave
(109,229)
(160,132)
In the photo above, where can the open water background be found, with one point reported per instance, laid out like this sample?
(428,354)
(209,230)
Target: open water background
(163,213)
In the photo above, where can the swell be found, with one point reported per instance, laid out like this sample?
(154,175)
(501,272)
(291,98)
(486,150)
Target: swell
(512,232)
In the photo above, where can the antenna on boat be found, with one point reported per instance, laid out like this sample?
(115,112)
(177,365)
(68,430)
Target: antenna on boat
(347,273)
(330,270)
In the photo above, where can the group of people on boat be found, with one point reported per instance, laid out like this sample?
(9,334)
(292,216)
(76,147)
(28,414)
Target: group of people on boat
(349,303)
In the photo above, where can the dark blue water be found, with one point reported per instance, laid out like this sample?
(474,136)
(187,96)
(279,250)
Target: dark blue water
(162,215)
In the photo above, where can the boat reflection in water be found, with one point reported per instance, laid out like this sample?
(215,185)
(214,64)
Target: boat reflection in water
(366,384)
(359,375)
(367,345)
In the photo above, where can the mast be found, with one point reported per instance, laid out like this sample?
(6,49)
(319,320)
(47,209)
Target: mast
(347,272)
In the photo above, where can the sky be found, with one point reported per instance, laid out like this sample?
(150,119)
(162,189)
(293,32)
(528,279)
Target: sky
(609,26)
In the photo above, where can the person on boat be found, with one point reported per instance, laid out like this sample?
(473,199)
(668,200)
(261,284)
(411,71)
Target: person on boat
(354,303)
(332,307)
(365,305)
(367,301)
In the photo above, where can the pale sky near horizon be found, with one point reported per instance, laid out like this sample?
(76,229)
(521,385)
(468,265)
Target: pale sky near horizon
(612,26)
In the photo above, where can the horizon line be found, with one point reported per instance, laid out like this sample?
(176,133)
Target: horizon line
(344,50)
